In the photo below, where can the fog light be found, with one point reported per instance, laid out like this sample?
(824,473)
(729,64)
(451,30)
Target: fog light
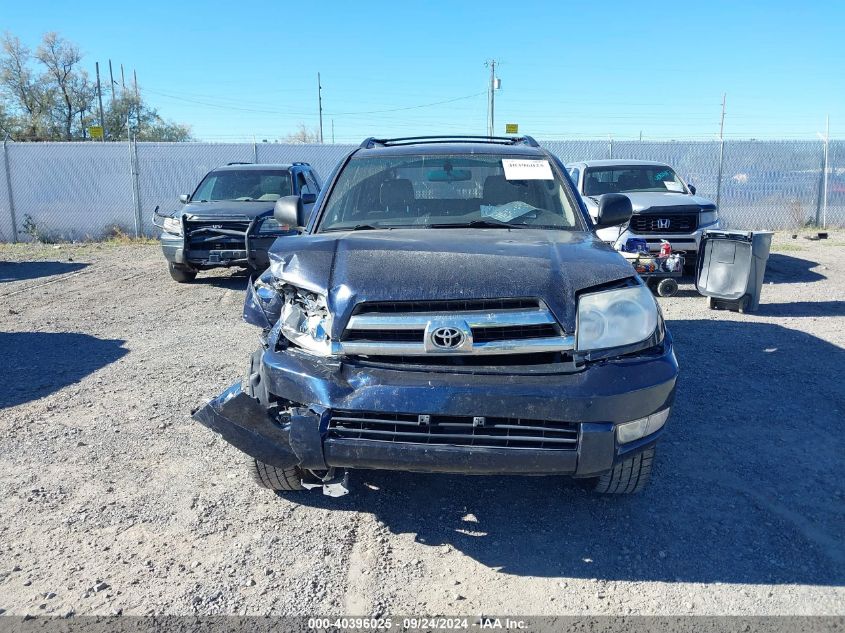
(634,430)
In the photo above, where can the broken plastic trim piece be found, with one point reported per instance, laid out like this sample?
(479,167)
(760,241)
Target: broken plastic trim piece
(332,486)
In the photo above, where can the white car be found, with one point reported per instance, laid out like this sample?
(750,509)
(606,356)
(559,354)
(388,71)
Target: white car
(665,207)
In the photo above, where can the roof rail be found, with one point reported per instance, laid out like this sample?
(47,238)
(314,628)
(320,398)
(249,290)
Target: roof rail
(238,162)
(371,142)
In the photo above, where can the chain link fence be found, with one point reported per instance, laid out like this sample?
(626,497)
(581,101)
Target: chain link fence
(77,191)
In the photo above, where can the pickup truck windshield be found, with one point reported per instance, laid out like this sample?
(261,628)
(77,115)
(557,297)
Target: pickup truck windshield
(244,184)
(631,178)
(448,191)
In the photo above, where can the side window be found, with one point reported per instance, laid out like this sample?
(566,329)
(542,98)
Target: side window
(575,173)
(312,182)
(303,185)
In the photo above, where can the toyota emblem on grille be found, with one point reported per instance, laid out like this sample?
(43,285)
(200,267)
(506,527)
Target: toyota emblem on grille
(663,223)
(447,337)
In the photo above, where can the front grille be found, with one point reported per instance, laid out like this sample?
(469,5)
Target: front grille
(515,332)
(455,305)
(678,223)
(488,327)
(453,430)
(479,334)
(211,235)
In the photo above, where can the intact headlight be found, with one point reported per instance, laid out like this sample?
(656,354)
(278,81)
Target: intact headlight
(306,321)
(271,226)
(172,225)
(615,318)
(708,217)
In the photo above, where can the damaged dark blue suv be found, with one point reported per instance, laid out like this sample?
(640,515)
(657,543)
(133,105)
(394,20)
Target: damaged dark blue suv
(448,308)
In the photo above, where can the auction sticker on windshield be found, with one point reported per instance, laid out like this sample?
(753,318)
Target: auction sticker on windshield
(519,169)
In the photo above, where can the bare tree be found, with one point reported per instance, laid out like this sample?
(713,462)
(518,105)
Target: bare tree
(75,93)
(303,135)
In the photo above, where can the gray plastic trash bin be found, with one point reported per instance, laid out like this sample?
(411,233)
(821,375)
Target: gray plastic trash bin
(730,268)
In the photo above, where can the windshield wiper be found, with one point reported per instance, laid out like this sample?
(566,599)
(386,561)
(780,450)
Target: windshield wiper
(486,223)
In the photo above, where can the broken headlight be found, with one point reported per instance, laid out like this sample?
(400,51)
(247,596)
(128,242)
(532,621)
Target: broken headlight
(172,225)
(615,318)
(306,321)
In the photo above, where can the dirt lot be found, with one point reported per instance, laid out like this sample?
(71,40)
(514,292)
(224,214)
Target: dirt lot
(113,500)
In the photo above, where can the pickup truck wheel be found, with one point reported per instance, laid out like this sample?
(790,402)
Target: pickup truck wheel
(628,476)
(180,273)
(278,479)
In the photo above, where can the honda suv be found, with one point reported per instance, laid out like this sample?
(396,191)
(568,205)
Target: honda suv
(228,220)
(665,207)
(449,308)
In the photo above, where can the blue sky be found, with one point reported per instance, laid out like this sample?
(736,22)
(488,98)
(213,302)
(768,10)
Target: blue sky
(569,69)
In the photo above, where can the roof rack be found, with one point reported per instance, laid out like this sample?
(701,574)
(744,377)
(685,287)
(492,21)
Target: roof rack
(301,162)
(238,162)
(371,142)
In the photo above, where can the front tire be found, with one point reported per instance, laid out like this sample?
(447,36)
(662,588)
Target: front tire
(628,476)
(181,273)
(277,479)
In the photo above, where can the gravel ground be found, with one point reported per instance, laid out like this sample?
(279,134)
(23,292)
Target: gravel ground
(112,500)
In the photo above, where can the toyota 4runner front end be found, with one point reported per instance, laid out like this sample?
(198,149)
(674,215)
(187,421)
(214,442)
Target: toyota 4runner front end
(448,308)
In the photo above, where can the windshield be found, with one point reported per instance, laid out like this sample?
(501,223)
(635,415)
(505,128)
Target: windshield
(448,190)
(244,184)
(629,178)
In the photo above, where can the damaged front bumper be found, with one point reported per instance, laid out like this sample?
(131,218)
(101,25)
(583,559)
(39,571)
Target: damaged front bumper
(319,392)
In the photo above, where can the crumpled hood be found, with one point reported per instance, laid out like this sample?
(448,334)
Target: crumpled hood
(440,264)
(225,208)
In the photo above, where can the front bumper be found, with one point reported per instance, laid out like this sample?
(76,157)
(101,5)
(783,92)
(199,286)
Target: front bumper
(686,242)
(595,399)
(253,254)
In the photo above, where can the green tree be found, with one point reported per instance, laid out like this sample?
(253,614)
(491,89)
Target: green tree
(72,92)
(127,113)
(26,97)
(49,96)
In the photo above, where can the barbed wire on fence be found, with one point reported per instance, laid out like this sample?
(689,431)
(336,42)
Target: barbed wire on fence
(77,191)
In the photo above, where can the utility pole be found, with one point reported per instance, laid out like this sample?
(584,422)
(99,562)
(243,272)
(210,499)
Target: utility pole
(100,99)
(721,152)
(494,84)
(320,104)
(111,82)
(122,78)
(137,98)
(826,169)
(332,131)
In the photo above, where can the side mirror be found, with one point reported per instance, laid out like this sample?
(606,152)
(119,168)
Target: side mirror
(184,198)
(614,209)
(288,211)
(691,188)
(309,198)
